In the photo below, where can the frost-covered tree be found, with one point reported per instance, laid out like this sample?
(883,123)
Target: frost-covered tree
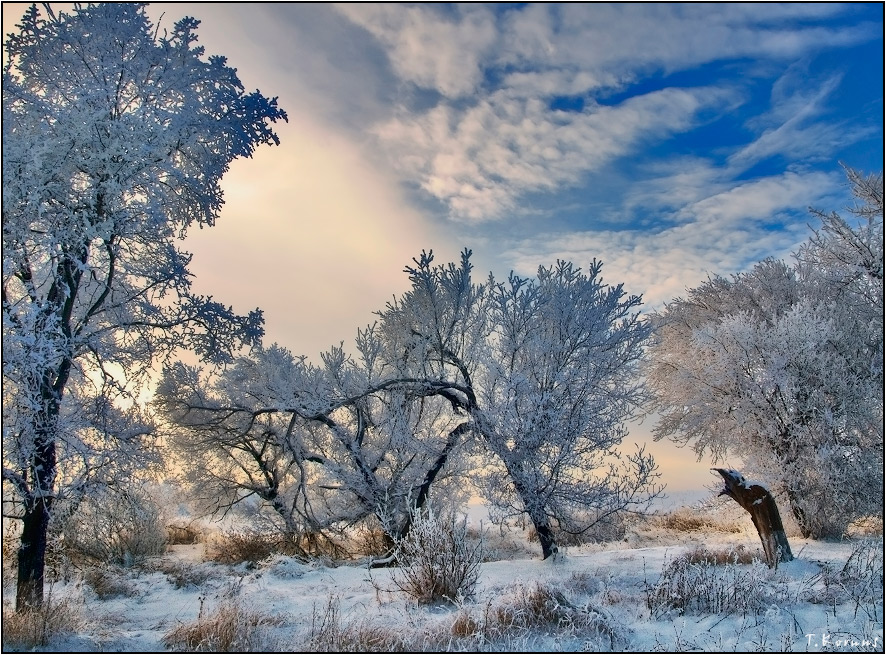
(322,447)
(546,370)
(115,139)
(537,377)
(782,367)
(560,381)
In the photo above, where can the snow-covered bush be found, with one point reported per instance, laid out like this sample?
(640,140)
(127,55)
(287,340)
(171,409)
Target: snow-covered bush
(115,527)
(692,584)
(437,560)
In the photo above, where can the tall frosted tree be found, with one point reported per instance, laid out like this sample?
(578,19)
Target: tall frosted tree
(561,381)
(782,367)
(115,138)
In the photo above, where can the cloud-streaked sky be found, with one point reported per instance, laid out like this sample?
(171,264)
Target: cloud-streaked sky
(671,141)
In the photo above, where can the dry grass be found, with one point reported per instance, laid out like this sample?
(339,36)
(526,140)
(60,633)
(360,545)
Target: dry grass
(230,628)
(514,619)
(698,584)
(40,627)
(108,582)
(688,520)
(331,634)
(182,574)
(737,555)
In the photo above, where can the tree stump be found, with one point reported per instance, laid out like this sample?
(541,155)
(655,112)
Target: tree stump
(759,503)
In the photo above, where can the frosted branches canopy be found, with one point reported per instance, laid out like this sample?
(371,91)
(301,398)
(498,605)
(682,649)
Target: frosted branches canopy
(115,139)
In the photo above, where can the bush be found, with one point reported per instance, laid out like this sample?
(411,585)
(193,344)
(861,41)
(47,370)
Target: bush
(39,627)
(437,562)
(114,527)
(231,628)
(238,546)
(107,582)
(182,534)
(254,546)
(859,581)
(692,584)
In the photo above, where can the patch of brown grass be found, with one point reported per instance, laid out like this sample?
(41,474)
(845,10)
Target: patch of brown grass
(688,520)
(230,628)
(39,627)
(108,582)
(722,556)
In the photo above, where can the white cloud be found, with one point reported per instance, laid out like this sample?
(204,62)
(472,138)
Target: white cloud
(721,234)
(491,138)
(483,159)
(428,47)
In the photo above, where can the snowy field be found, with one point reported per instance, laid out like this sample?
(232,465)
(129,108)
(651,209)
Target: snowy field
(657,589)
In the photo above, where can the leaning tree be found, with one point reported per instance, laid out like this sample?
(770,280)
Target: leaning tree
(115,140)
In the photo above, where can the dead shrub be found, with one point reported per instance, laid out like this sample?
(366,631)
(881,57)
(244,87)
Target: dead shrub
(238,546)
(230,628)
(178,534)
(113,526)
(314,544)
(253,546)
(372,541)
(108,582)
(39,627)
(437,563)
(705,587)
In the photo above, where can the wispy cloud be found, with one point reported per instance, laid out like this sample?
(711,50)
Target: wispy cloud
(792,128)
(722,233)
(495,131)
(481,160)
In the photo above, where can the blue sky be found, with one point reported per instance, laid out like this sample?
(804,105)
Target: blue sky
(671,141)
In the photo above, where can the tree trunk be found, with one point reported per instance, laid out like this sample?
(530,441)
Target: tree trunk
(545,536)
(422,496)
(540,521)
(760,504)
(38,505)
(32,554)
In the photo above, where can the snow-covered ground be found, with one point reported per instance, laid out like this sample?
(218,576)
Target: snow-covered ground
(594,597)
